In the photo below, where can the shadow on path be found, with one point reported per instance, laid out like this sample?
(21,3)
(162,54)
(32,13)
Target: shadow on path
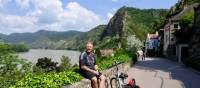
(189,77)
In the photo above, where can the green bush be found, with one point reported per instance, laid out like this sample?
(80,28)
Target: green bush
(5,49)
(120,56)
(48,80)
(65,64)
(187,20)
(12,69)
(47,64)
(20,48)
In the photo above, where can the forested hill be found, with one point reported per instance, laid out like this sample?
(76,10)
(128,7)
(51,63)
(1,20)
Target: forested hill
(127,21)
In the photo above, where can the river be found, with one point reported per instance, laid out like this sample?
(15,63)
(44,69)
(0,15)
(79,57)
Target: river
(55,55)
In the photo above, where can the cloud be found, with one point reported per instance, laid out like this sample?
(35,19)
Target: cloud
(50,15)
(115,0)
(23,3)
(14,23)
(76,16)
(4,2)
(110,15)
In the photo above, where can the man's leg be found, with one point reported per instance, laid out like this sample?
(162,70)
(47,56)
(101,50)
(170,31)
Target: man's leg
(94,82)
(102,81)
(143,57)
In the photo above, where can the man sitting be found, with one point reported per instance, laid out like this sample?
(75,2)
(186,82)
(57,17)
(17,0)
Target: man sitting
(88,67)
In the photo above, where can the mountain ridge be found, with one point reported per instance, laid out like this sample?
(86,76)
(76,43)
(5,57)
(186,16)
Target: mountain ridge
(126,21)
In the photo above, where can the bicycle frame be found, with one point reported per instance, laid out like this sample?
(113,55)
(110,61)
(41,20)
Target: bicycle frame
(120,81)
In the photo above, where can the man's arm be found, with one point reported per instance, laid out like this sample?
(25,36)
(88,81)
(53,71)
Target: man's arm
(96,68)
(86,68)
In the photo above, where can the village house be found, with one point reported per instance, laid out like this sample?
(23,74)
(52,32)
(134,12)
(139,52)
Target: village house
(172,47)
(194,46)
(107,52)
(152,44)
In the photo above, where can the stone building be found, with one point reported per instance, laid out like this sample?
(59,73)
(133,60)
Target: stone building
(194,47)
(170,46)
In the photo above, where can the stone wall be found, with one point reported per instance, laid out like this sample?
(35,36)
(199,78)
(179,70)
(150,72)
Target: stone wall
(195,40)
(85,83)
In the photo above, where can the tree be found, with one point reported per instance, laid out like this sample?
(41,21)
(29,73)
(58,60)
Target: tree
(20,48)
(47,64)
(133,43)
(5,49)
(12,68)
(65,63)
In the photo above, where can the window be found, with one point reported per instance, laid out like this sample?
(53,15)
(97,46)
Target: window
(176,26)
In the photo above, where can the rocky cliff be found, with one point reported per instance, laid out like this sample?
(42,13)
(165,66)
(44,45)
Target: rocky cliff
(115,26)
(133,21)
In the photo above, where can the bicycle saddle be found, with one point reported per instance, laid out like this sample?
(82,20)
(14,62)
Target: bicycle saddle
(123,75)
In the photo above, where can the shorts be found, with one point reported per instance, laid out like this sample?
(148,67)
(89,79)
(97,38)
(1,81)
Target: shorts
(90,75)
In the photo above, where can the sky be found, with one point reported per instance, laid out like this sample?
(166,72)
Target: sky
(18,16)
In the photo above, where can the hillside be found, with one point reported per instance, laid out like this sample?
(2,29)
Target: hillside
(132,21)
(2,36)
(93,35)
(55,40)
(127,21)
(41,39)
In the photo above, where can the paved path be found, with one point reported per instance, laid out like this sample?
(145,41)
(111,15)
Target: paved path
(162,73)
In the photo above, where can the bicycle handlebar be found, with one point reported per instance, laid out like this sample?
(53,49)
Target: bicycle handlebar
(116,63)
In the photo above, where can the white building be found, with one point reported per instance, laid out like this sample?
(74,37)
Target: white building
(152,42)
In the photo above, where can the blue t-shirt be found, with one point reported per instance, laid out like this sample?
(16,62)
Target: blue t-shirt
(88,60)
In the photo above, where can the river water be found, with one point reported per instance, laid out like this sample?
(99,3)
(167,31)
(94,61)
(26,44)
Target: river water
(55,55)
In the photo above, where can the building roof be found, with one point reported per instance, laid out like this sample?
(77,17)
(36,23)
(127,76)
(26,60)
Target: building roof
(153,36)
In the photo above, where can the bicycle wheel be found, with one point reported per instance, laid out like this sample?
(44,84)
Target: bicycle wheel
(114,83)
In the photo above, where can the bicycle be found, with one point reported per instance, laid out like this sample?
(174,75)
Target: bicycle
(118,81)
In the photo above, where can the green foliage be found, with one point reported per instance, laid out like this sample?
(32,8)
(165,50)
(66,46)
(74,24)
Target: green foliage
(97,52)
(47,64)
(65,64)
(42,39)
(189,2)
(93,35)
(48,80)
(17,72)
(20,48)
(45,74)
(120,56)
(12,69)
(141,21)
(5,49)
(133,43)
(108,43)
(187,20)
